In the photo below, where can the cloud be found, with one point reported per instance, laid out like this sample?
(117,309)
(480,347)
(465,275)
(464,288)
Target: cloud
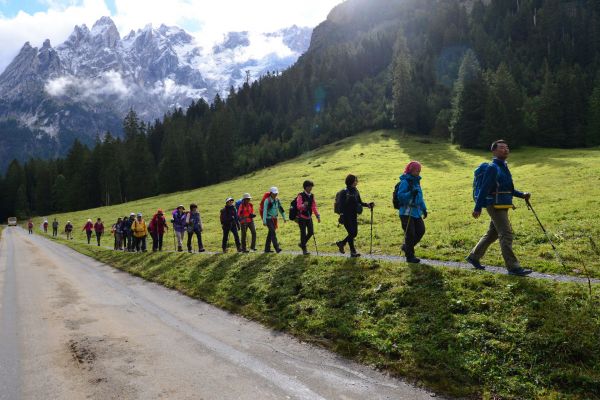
(106,85)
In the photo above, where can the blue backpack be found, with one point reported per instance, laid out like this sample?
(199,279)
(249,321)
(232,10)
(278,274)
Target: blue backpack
(478,175)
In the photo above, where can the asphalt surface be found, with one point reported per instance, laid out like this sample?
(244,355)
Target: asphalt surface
(74,328)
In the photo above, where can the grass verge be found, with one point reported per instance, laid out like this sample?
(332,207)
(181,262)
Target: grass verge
(457,332)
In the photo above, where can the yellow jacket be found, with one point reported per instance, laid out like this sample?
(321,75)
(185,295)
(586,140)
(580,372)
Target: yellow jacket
(139,228)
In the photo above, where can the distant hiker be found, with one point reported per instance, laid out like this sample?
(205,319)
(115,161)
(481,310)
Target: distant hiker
(88,228)
(494,190)
(99,230)
(306,206)
(45,226)
(54,228)
(30,226)
(194,227)
(246,216)
(230,223)
(271,210)
(139,233)
(127,232)
(412,209)
(348,204)
(69,230)
(179,225)
(118,232)
(157,227)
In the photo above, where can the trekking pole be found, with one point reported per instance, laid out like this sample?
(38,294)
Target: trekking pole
(530,207)
(371,247)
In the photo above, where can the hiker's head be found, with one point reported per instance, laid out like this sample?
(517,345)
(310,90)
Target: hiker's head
(351,180)
(180,208)
(193,207)
(119,219)
(98,220)
(413,168)
(274,191)
(500,149)
(308,186)
(139,216)
(159,212)
(132,216)
(229,201)
(246,198)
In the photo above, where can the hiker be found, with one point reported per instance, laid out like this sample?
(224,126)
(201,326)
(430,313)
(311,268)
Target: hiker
(271,210)
(69,230)
(306,206)
(495,194)
(412,209)
(349,205)
(118,232)
(88,228)
(157,227)
(194,227)
(127,232)
(45,225)
(179,225)
(139,233)
(99,230)
(246,217)
(230,223)
(30,226)
(54,228)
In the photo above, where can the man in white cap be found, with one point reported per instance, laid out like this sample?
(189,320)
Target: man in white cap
(246,216)
(271,211)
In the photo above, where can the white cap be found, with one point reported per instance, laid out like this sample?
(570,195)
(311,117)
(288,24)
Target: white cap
(274,190)
(132,215)
(89,220)
(246,196)
(228,199)
(139,214)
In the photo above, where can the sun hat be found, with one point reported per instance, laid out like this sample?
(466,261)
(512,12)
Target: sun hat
(229,199)
(246,196)
(274,190)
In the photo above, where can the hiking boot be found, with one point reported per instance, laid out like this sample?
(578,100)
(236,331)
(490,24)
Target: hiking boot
(354,254)
(305,252)
(278,250)
(190,251)
(253,248)
(202,250)
(475,263)
(179,248)
(340,246)
(269,251)
(225,250)
(519,271)
(413,260)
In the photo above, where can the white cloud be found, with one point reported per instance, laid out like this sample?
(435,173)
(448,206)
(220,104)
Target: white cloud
(108,84)
(207,20)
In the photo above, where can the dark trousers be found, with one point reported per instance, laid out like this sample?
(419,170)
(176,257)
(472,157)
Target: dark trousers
(54,232)
(128,241)
(199,237)
(89,236)
(157,241)
(306,231)
(233,229)
(30,230)
(414,229)
(139,243)
(98,236)
(245,227)
(271,236)
(118,241)
(351,225)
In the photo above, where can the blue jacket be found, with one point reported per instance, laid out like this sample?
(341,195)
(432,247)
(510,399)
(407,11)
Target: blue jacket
(179,222)
(194,221)
(498,186)
(408,205)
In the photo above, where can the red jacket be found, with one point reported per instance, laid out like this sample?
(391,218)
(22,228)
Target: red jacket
(303,212)
(158,224)
(245,212)
(99,227)
(88,227)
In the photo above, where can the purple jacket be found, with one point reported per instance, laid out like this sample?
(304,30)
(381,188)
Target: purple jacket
(179,221)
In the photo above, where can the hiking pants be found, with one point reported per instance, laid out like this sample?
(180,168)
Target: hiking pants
(130,241)
(157,241)
(191,237)
(351,225)
(139,243)
(306,231)
(252,228)
(89,236)
(30,230)
(179,236)
(271,236)
(98,236)
(414,229)
(233,229)
(501,229)
(69,234)
(118,241)
(54,232)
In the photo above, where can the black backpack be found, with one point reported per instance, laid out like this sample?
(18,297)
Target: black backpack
(339,198)
(293,215)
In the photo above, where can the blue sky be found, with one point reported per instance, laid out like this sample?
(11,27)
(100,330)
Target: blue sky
(10,8)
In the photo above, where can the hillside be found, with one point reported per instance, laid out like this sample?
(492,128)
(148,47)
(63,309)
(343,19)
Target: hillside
(565,197)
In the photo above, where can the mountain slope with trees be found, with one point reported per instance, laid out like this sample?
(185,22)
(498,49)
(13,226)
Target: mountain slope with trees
(469,71)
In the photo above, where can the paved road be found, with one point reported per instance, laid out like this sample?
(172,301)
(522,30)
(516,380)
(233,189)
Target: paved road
(73,328)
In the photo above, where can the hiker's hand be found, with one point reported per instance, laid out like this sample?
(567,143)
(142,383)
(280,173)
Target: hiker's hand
(371,205)
(476,214)
(318,219)
(424,214)
(526,195)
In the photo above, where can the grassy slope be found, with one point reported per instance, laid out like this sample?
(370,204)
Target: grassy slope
(458,332)
(565,186)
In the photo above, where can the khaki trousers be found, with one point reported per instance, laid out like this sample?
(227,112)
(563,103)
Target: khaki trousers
(500,229)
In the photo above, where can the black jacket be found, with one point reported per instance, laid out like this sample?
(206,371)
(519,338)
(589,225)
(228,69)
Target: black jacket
(352,204)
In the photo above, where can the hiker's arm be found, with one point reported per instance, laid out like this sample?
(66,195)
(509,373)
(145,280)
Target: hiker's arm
(300,203)
(404,195)
(315,210)
(521,195)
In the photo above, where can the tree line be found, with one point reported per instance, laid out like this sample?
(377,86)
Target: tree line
(470,72)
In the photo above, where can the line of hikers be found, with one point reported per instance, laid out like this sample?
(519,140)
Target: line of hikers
(493,189)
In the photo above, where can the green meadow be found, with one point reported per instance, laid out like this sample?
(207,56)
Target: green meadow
(565,187)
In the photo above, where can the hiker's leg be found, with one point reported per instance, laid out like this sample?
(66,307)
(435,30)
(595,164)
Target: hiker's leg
(310,231)
(302,224)
(419,230)
(190,236)
(98,235)
(160,240)
(199,237)
(486,240)
(408,225)
(244,230)
(268,239)
(226,229)
(505,237)
(236,237)
(253,233)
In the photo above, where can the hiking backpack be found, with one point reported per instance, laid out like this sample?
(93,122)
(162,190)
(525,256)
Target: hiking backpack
(395,200)
(262,204)
(478,176)
(293,214)
(339,198)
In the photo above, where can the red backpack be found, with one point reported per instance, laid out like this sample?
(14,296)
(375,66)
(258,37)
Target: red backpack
(262,204)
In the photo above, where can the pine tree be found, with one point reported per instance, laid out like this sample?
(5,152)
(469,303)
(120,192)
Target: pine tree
(550,132)
(593,128)
(405,105)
